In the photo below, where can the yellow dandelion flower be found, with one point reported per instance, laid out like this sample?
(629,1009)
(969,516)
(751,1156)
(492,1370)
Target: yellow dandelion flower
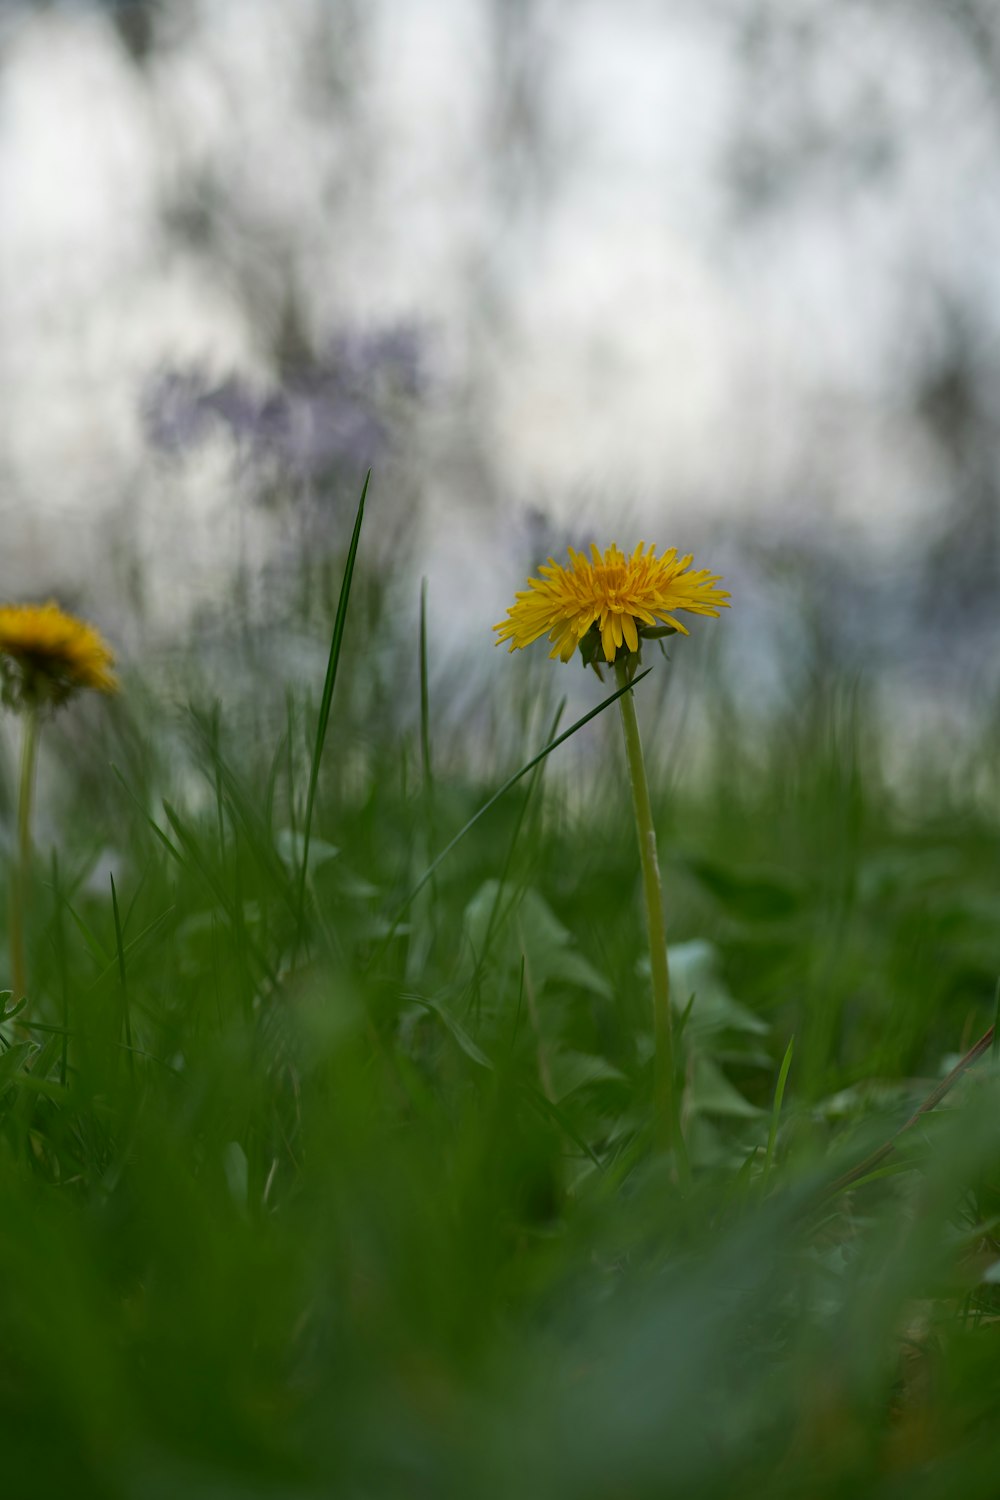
(47,655)
(619,598)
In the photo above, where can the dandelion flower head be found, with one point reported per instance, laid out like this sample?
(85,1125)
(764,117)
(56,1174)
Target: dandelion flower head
(47,655)
(612,598)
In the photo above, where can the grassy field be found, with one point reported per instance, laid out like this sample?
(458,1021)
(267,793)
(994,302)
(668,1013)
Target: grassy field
(320,1177)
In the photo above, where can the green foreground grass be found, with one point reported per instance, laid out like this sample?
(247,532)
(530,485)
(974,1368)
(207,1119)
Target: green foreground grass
(310,1190)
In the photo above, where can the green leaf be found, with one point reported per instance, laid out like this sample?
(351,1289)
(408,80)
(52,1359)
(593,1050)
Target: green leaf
(13,1059)
(695,970)
(15,1010)
(236,1168)
(711,1093)
(578,1070)
(461,1036)
(532,929)
(291,848)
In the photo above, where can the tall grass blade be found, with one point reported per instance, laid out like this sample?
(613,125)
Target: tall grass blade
(327,699)
(511,781)
(135,945)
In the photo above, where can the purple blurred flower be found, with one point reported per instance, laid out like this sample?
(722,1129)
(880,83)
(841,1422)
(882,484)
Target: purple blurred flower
(328,414)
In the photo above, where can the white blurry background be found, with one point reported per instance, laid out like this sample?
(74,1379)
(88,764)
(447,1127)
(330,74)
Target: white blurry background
(722,275)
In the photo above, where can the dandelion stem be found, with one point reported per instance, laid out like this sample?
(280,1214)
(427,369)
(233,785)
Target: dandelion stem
(668,1115)
(19,883)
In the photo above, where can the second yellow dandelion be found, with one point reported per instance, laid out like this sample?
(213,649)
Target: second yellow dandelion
(46,656)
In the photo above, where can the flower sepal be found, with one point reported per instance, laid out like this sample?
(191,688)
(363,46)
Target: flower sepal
(592,647)
(22,688)
(592,653)
(591,650)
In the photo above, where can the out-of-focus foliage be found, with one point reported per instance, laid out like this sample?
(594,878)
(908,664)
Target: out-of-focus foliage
(371,1203)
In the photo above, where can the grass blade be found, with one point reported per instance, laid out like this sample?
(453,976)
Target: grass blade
(170,847)
(244,812)
(779,1094)
(493,923)
(492,801)
(327,699)
(200,863)
(97,950)
(548,1109)
(135,944)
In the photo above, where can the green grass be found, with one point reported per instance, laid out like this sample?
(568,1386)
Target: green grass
(319,1177)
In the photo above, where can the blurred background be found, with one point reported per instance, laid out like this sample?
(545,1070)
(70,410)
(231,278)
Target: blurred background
(726,277)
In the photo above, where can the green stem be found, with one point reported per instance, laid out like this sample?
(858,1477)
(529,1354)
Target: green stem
(668,1114)
(22,865)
